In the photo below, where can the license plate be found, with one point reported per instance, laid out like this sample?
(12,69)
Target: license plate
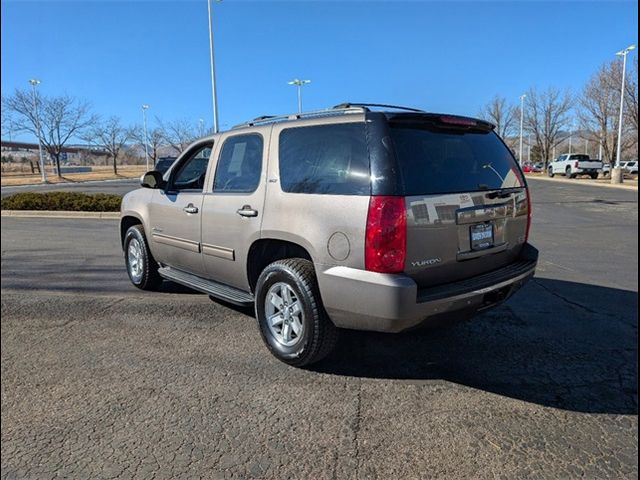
(481,236)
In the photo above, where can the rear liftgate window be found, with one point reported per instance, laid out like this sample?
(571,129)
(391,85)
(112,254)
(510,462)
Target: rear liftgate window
(326,159)
(434,160)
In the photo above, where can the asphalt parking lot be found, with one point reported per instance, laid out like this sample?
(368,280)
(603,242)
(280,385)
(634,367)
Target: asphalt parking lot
(116,187)
(100,380)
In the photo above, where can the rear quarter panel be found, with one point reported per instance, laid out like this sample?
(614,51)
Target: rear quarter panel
(330,227)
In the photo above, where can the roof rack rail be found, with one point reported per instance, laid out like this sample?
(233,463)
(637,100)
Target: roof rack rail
(378,105)
(327,112)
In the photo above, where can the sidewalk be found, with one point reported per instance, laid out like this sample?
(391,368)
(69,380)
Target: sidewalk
(628,185)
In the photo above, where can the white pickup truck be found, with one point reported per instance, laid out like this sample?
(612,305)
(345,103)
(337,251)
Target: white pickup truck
(574,164)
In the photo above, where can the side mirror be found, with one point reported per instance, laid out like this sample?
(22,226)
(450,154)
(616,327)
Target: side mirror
(152,179)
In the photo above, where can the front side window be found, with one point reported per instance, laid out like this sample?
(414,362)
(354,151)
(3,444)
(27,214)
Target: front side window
(240,164)
(326,159)
(191,173)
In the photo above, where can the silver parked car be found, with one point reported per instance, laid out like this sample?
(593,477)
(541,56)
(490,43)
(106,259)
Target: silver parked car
(364,217)
(631,167)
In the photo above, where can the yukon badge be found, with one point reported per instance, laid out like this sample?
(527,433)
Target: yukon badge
(426,263)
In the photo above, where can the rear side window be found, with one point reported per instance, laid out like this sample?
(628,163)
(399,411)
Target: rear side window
(326,159)
(240,164)
(434,161)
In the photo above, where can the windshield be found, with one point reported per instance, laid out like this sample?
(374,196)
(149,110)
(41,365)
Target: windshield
(436,161)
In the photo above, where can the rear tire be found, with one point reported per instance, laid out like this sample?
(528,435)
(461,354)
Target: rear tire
(291,317)
(594,176)
(568,174)
(141,266)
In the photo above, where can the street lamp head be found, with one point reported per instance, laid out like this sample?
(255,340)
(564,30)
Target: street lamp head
(34,81)
(298,82)
(622,53)
(145,106)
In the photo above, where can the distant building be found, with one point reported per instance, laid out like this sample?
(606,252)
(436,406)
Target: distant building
(29,150)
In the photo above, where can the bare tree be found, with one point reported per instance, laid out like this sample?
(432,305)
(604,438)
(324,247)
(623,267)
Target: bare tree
(111,136)
(501,114)
(6,121)
(599,112)
(154,139)
(546,116)
(60,119)
(598,109)
(178,133)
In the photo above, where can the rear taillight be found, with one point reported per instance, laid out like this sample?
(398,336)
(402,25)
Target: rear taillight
(385,246)
(575,165)
(526,235)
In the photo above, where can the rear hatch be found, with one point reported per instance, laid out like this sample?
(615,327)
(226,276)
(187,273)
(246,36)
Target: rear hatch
(466,199)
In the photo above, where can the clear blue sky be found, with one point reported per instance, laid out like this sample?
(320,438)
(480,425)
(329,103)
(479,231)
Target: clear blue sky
(440,56)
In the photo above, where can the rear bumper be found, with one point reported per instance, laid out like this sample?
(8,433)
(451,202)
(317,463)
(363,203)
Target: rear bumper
(361,300)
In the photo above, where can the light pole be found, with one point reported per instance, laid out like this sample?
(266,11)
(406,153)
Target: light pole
(299,83)
(34,83)
(529,148)
(522,97)
(201,124)
(623,54)
(146,141)
(214,94)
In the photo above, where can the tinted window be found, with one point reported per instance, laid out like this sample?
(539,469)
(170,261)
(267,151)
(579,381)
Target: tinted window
(240,164)
(163,164)
(443,161)
(329,159)
(190,173)
(580,158)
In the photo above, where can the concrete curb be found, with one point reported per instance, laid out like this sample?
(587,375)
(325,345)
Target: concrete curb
(582,182)
(60,214)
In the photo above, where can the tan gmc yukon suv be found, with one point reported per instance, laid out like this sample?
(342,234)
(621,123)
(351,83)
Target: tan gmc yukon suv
(367,217)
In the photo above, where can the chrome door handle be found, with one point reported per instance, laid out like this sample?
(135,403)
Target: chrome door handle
(190,208)
(247,211)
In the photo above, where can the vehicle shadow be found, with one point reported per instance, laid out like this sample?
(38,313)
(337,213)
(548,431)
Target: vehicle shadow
(559,344)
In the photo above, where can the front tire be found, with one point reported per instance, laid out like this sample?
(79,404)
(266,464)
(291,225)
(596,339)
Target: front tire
(141,266)
(291,317)
(550,172)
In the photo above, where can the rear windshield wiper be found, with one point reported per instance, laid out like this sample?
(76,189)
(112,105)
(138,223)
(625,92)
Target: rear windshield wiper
(504,193)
